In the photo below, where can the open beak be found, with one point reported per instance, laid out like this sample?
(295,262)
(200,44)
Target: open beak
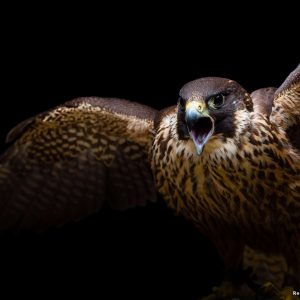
(199,123)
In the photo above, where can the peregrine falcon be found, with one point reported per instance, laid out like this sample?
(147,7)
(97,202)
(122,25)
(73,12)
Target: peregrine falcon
(226,160)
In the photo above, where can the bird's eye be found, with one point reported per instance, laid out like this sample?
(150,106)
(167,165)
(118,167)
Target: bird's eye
(216,101)
(181,103)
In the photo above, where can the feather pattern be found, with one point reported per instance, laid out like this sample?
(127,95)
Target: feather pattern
(66,162)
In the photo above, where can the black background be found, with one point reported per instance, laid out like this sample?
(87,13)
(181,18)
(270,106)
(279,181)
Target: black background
(48,59)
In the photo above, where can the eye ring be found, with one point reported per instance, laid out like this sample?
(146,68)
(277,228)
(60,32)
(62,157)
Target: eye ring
(181,103)
(217,101)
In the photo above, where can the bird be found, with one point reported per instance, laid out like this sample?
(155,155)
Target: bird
(230,159)
(226,160)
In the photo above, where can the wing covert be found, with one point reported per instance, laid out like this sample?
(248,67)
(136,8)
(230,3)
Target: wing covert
(286,110)
(65,163)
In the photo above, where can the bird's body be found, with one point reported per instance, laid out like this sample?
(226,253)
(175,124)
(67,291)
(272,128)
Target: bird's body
(239,188)
(226,160)
(244,186)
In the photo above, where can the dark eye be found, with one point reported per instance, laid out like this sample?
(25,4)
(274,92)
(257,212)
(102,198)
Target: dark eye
(181,103)
(216,101)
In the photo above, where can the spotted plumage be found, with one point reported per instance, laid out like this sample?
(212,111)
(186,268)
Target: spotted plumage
(226,160)
(245,184)
(66,162)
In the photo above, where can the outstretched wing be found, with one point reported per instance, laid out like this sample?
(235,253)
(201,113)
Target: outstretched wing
(65,163)
(286,110)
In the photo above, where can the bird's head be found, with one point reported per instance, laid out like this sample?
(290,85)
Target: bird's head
(207,107)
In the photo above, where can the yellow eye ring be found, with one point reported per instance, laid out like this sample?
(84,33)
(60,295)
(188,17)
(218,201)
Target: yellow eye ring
(216,101)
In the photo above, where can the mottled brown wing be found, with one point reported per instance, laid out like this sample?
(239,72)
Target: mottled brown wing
(65,163)
(263,100)
(286,110)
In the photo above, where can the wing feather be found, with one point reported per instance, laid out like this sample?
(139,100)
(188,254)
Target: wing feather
(65,163)
(286,110)
(263,100)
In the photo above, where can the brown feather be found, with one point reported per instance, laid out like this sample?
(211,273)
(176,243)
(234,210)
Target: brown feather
(291,82)
(286,111)
(65,163)
(18,130)
(263,100)
(242,190)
